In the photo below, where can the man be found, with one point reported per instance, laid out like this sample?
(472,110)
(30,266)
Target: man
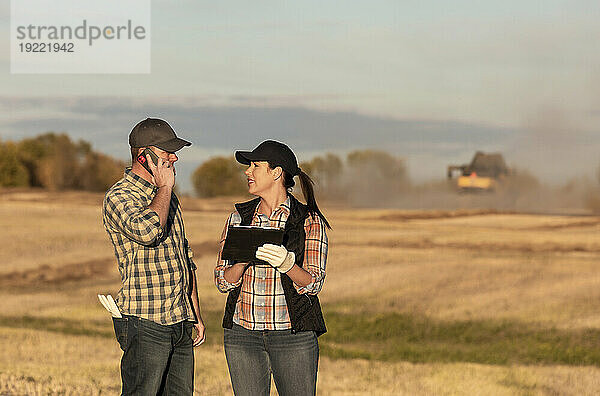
(158,299)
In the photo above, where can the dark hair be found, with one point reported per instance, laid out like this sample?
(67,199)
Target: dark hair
(134,154)
(307,190)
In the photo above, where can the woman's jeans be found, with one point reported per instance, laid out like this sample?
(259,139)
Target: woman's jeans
(253,354)
(157,359)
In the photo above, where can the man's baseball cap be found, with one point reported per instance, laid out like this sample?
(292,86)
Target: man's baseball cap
(276,153)
(156,132)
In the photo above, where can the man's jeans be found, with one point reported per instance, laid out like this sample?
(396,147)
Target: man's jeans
(253,354)
(157,359)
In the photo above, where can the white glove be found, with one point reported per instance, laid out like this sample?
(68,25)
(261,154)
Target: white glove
(277,256)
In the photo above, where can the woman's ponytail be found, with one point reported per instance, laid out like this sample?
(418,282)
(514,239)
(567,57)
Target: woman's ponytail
(309,195)
(307,189)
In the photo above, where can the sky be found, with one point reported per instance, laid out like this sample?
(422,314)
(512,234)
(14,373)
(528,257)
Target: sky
(431,81)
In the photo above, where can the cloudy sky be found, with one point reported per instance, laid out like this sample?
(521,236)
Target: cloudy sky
(431,81)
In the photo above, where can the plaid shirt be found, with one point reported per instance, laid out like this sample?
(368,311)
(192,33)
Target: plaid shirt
(261,305)
(154,262)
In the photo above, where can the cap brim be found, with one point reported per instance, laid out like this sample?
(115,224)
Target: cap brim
(173,145)
(245,157)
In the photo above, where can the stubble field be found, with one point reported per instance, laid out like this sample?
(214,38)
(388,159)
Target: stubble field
(416,302)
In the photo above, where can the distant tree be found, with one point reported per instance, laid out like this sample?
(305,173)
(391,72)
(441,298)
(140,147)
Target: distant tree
(98,172)
(12,172)
(326,172)
(219,176)
(52,160)
(55,162)
(31,152)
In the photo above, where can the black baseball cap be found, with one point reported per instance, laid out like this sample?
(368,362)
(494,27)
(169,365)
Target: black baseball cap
(276,153)
(156,132)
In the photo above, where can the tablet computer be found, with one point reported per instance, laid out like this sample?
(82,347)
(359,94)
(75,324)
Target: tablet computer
(242,241)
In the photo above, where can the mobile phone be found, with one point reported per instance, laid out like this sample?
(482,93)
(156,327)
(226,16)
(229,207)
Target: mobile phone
(142,159)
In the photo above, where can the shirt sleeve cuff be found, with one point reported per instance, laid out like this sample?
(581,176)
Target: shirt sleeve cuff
(228,286)
(223,284)
(308,289)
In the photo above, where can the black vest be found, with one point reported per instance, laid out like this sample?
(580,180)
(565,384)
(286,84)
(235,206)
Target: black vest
(304,310)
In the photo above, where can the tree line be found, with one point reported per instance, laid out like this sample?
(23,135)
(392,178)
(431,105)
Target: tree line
(55,162)
(363,172)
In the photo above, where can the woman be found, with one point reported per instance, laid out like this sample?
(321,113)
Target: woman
(272,315)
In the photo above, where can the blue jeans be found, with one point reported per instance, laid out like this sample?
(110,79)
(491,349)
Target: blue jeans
(157,359)
(252,355)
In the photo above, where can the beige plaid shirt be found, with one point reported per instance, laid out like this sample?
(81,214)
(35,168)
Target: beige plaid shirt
(154,262)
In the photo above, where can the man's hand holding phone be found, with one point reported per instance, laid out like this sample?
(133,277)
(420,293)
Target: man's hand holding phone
(163,177)
(163,173)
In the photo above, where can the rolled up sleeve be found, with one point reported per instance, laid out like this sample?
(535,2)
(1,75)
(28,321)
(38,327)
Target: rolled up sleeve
(138,223)
(222,284)
(315,255)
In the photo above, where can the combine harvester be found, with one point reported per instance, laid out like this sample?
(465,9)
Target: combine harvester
(483,174)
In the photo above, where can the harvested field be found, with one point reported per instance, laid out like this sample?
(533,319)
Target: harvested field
(416,302)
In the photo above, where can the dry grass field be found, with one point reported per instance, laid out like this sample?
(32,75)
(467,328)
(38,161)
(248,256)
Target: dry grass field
(417,303)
